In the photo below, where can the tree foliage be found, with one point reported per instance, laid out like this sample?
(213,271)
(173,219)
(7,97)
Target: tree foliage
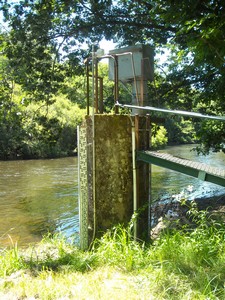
(45,40)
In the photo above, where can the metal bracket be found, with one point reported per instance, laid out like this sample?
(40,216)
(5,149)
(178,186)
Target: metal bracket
(202,175)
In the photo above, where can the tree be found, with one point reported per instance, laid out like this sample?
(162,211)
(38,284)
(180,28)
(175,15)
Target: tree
(46,37)
(11,114)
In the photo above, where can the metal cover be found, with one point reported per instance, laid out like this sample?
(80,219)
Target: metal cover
(135,61)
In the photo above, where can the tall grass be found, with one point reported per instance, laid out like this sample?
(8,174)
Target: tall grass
(184,264)
(10,260)
(118,248)
(197,256)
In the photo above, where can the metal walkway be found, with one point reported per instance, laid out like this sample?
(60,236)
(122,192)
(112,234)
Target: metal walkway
(195,169)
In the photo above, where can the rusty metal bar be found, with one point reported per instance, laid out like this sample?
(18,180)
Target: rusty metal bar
(96,86)
(136,122)
(100,95)
(142,84)
(88,87)
(116,84)
(141,124)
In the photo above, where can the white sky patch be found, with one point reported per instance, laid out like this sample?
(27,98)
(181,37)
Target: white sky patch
(107,45)
(162,57)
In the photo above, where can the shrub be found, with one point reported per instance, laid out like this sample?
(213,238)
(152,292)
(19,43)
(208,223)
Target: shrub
(159,137)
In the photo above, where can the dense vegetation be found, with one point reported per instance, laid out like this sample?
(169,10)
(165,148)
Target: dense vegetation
(184,264)
(42,100)
(38,130)
(41,59)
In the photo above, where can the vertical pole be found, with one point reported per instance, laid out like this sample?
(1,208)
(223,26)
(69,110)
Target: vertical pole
(137,200)
(134,179)
(142,84)
(150,182)
(142,177)
(116,83)
(94,79)
(96,85)
(101,95)
(88,86)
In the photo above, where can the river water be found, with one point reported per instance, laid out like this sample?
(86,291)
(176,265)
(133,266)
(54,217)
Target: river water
(41,196)
(37,197)
(167,183)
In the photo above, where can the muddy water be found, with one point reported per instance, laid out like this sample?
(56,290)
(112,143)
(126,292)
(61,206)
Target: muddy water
(37,197)
(41,196)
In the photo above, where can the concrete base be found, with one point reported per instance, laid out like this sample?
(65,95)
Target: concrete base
(105,175)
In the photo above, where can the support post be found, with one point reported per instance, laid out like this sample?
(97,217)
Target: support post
(116,84)
(142,131)
(88,86)
(101,95)
(96,85)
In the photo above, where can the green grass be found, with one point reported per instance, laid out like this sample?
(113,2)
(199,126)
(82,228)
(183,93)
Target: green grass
(184,264)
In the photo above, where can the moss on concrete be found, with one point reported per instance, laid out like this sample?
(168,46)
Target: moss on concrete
(113,165)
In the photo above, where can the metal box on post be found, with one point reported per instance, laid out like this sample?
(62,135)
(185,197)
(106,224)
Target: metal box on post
(133,62)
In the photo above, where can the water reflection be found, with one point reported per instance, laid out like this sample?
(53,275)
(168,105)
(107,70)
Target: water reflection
(38,196)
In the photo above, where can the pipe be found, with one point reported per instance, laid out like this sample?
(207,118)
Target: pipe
(88,98)
(116,90)
(96,84)
(134,178)
(116,77)
(93,144)
(100,95)
(116,87)
(175,112)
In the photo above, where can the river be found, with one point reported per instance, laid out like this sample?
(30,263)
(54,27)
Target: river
(41,196)
(166,183)
(37,197)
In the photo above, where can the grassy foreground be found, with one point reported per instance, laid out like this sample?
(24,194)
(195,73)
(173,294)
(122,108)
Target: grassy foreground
(184,264)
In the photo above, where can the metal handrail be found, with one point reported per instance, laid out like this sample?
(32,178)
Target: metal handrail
(175,112)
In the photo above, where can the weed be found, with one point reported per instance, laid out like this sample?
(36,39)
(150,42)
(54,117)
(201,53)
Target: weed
(184,264)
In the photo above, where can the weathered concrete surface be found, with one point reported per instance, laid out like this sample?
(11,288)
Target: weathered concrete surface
(113,170)
(106,180)
(106,174)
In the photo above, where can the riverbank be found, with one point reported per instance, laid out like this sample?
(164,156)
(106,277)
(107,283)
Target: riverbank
(177,211)
(184,264)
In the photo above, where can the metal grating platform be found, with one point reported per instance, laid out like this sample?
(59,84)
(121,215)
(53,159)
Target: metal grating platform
(195,169)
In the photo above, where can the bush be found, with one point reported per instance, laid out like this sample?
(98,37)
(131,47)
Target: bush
(38,130)
(159,137)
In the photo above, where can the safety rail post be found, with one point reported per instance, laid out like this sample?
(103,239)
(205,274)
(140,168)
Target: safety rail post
(116,84)
(88,86)
(142,134)
(101,95)
(96,85)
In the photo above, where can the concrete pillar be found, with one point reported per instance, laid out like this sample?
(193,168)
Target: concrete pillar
(106,175)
